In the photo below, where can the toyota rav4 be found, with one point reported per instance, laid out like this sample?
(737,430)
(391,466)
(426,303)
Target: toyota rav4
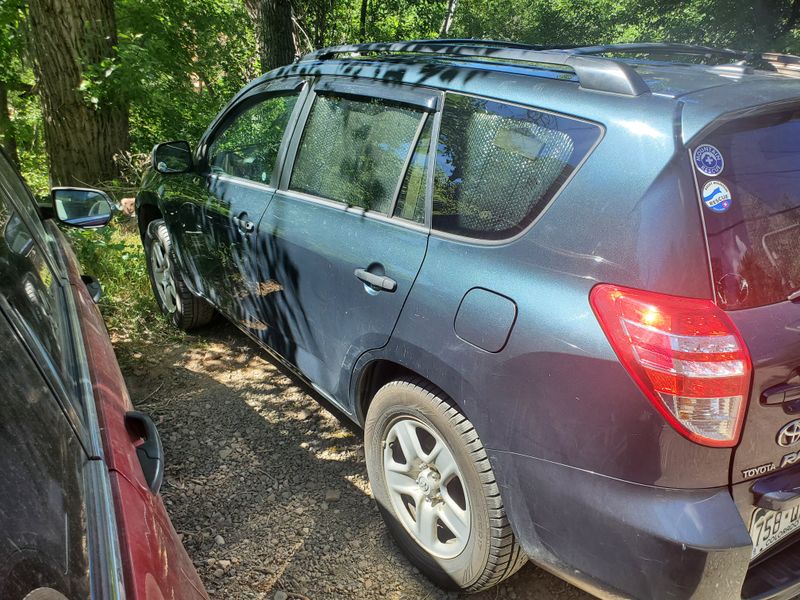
(557,287)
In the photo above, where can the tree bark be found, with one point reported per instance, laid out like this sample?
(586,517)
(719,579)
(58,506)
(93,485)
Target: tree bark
(8,136)
(275,32)
(363,24)
(448,18)
(81,139)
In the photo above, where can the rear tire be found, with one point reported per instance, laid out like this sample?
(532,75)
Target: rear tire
(181,307)
(425,460)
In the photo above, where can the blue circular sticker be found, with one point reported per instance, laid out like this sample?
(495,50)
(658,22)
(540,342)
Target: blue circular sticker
(717,196)
(708,160)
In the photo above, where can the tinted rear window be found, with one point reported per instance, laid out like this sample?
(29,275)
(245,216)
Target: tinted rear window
(498,165)
(754,239)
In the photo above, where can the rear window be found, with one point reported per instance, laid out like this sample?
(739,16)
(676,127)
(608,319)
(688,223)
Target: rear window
(498,165)
(749,180)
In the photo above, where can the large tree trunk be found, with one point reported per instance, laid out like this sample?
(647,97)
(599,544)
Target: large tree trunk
(81,138)
(363,24)
(275,33)
(8,136)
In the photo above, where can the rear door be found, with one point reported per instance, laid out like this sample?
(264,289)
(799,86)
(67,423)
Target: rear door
(748,174)
(239,160)
(345,235)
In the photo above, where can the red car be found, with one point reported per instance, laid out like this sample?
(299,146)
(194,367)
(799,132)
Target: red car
(80,510)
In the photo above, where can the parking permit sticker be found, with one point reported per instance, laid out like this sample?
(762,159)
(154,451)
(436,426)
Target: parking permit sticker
(708,160)
(716,196)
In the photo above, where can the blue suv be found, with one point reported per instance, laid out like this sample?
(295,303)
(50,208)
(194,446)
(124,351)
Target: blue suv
(558,288)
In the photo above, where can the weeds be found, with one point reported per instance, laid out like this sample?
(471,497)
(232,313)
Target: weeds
(114,255)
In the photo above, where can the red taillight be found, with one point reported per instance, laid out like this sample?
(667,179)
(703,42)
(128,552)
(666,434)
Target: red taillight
(685,354)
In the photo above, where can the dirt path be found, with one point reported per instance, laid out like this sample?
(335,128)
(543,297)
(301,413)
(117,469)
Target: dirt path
(268,488)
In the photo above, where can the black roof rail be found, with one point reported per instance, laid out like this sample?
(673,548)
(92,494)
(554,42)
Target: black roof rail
(743,62)
(664,48)
(593,72)
(482,42)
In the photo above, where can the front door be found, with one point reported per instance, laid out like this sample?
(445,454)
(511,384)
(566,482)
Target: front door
(242,154)
(344,237)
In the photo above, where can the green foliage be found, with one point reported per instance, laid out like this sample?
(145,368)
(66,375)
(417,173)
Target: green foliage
(115,256)
(179,62)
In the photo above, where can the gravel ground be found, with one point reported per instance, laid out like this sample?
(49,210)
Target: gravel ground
(269,489)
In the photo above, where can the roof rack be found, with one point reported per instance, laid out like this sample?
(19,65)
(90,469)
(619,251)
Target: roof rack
(593,72)
(657,48)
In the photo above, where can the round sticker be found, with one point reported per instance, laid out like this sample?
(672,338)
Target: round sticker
(716,196)
(708,160)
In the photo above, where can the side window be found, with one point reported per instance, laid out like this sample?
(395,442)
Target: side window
(354,150)
(30,287)
(248,146)
(498,165)
(411,200)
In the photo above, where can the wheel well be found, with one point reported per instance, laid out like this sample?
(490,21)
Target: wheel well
(375,375)
(146,214)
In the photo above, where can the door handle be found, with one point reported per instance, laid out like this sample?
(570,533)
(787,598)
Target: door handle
(151,453)
(377,282)
(242,223)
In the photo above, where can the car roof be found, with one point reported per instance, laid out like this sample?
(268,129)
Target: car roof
(577,81)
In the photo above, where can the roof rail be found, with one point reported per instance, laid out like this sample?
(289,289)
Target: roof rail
(594,72)
(664,48)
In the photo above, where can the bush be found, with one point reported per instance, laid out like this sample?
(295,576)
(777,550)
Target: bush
(115,256)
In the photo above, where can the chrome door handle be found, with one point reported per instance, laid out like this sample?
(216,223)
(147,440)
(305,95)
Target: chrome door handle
(242,223)
(376,282)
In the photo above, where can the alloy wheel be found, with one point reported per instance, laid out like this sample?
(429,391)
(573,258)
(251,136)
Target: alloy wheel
(426,487)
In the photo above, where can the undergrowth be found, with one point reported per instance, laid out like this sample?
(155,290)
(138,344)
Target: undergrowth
(114,255)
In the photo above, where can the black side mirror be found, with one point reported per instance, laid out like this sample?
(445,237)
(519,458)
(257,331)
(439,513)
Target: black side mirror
(82,207)
(172,157)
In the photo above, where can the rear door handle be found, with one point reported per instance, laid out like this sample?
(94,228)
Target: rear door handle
(377,282)
(151,453)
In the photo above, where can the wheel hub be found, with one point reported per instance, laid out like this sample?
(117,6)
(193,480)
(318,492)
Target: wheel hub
(429,481)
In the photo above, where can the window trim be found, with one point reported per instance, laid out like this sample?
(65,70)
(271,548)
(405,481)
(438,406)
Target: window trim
(257,95)
(508,240)
(300,126)
(354,210)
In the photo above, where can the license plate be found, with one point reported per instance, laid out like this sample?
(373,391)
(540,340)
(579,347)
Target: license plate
(770,526)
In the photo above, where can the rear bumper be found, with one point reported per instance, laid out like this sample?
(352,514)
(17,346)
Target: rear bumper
(622,540)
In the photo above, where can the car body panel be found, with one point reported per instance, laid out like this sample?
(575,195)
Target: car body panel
(323,317)
(156,564)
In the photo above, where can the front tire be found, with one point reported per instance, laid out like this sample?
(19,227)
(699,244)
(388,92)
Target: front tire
(435,488)
(182,308)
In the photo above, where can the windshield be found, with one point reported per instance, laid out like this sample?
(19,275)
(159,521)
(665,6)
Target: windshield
(749,179)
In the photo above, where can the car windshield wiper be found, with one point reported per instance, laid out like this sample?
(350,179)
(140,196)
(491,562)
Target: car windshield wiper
(795,295)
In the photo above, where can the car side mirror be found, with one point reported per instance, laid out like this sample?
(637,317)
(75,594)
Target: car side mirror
(82,207)
(172,157)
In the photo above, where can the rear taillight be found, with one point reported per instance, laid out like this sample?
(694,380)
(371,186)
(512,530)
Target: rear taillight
(685,354)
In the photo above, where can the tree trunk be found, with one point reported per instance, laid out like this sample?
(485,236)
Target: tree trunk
(275,34)
(8,136)
(81,138)
(448,18)
(363,27)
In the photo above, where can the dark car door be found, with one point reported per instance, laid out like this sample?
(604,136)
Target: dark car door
(336,264)
(43,497)
(238,159)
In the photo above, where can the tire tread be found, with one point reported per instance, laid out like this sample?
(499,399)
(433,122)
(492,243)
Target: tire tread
(505,554)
